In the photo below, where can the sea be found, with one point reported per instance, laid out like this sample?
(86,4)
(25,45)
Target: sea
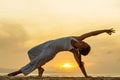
(69,75)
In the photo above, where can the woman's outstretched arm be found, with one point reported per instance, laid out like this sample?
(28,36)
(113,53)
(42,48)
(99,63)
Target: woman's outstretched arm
(94,33)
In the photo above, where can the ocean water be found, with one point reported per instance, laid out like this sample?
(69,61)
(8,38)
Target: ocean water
(69,75)
(79,75)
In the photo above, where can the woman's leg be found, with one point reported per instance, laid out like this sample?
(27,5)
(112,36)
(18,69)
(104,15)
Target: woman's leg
(40,71)
(15,73)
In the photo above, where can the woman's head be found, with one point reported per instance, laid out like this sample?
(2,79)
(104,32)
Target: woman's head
(85,49)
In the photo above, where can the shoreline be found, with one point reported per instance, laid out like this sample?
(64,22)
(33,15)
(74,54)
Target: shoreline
(56,78)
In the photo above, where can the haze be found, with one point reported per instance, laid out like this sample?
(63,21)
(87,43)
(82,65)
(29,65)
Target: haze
(26,23)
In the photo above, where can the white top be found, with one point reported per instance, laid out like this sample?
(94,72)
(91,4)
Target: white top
(57,45)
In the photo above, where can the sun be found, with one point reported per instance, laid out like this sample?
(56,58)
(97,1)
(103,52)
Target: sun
(67,65)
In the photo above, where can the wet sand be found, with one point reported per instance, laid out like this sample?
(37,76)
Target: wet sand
(57,78)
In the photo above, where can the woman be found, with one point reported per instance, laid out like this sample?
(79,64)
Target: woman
(41,54)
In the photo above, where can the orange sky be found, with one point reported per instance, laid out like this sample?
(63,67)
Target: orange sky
(26,23)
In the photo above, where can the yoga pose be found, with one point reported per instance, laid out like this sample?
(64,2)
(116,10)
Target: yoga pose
(41,54)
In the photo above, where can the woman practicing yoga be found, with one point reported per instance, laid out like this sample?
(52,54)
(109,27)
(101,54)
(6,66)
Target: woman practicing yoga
(42,53)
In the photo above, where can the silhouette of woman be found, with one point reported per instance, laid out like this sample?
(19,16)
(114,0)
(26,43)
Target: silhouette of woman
(42,53)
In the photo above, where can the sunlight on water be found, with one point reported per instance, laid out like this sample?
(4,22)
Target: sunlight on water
(70,75)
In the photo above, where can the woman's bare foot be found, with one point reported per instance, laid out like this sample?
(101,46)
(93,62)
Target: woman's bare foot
(14,73)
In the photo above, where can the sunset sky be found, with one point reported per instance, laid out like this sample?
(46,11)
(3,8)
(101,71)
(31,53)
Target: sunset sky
(26,23)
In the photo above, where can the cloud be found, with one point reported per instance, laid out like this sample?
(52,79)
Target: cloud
(12,36)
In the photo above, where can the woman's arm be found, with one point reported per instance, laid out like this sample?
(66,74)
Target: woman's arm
(94,33)
(80,63)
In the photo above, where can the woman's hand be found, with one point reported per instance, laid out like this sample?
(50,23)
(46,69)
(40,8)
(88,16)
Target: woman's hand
(110,31)
(88,77)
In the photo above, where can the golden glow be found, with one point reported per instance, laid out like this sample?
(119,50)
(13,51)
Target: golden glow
(26,23)
(67,65)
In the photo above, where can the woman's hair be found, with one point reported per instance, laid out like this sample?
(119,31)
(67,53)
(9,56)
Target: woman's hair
(86,50)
